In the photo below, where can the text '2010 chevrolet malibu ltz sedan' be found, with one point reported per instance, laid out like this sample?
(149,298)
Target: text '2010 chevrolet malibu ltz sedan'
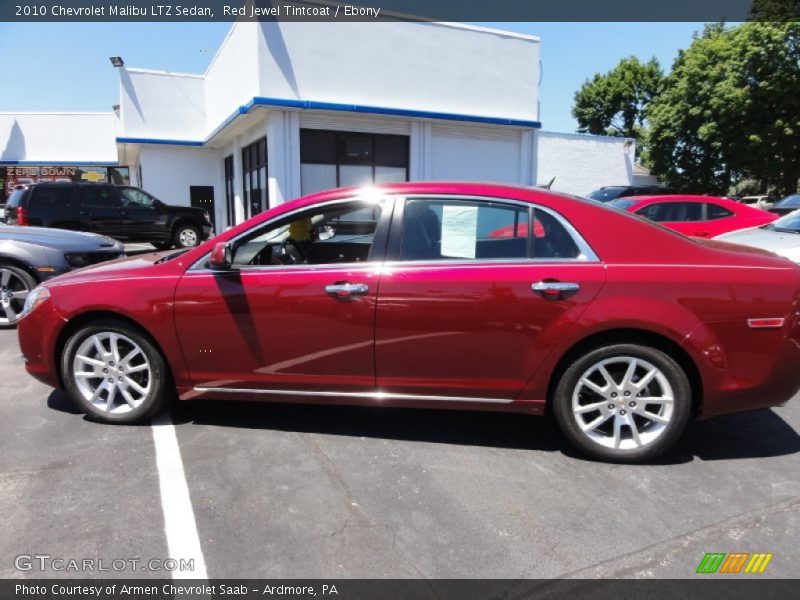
(439,295)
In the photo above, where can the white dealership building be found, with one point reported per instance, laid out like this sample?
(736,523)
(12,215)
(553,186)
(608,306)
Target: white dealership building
(288,108)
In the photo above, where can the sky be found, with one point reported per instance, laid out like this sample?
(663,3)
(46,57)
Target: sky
(65,67)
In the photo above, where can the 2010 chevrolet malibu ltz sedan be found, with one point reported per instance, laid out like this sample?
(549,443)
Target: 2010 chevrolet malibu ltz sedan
(406,295)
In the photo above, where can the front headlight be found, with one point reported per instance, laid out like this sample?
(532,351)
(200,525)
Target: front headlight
(34,300)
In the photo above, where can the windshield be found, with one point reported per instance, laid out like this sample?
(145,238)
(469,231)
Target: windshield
(622,204)
(14,198)
(790,222)
(605,194)
(789,201)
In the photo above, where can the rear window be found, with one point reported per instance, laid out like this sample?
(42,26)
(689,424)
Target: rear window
(622,204)
(44,196)
(607,193)
(15,198)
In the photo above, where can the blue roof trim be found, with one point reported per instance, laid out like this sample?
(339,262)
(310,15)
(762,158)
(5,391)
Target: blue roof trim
(60,163)
(134,140)
(333,106)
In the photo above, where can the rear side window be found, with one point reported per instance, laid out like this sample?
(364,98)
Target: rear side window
(96,195)
(47,196)
(715,211)
(673,212)
(462,229)
(551,239)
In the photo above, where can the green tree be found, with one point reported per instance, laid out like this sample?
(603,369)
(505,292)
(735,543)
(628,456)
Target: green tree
(730,109)
(613,103)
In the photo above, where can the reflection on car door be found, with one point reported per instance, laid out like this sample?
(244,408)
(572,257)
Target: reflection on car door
(100,209)
(267,326)
(464,313)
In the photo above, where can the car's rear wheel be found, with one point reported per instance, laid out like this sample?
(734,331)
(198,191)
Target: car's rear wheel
(15,285)
(162,245)
(186,236)
(623,403)
(114,373)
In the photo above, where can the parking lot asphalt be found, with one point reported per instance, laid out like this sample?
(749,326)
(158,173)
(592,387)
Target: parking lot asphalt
(291,491)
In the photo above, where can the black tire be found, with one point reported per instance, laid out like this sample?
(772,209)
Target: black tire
(610,438)
(160,390)
(19,281)
(183,232)
(162,245)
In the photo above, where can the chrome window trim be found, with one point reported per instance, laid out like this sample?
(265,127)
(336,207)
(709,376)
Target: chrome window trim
(587,254)
(367,395)
(198,264)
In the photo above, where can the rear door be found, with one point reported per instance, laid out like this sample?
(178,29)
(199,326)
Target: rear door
(100,210)
(472,297)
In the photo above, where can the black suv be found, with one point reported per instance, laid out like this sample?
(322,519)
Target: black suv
(612,192)
(122,212)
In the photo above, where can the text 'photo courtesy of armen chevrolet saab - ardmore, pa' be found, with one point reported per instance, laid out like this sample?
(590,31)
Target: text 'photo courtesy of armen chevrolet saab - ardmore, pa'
(362,300)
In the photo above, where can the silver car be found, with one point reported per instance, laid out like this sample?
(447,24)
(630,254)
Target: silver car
(781,237)
(30,255)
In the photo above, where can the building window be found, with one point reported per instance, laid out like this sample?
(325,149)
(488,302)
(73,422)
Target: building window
(254,177)
(230,197)
(330,159)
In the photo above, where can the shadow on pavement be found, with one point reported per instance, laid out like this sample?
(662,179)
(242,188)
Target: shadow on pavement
(757,434)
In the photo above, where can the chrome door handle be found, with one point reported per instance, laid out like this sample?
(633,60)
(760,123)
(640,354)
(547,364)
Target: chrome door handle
(555,290)
(345,290)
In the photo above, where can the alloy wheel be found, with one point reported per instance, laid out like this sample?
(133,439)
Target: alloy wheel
(13,292)
(623,403)
(112,372)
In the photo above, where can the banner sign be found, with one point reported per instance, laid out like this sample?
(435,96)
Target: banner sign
(12,176)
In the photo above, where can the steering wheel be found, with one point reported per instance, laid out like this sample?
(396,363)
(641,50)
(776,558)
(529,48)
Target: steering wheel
(294,256)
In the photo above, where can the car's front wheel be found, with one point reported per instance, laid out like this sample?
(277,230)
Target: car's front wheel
(114,373)
(623,403)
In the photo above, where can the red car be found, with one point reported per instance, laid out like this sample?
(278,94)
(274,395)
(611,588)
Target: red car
(699,216)
(401,296)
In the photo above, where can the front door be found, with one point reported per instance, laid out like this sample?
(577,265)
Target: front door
(464,313)
(202,196)
(297,310)
(143,221)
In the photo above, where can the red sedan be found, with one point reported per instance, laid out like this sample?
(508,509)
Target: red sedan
(402,296)
(699,216)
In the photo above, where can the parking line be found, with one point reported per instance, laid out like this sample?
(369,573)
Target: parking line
(180,527)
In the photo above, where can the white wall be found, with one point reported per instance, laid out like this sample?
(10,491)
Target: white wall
(582,163)
(168,171)
(162,105)
(58,137)
(412,65)
(231,79)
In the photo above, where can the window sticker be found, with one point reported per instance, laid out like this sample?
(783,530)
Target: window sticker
(459,231)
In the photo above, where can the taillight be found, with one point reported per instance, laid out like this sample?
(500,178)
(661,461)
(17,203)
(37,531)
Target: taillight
(22,219)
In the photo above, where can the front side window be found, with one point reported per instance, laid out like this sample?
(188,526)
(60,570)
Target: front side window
(336,233)
(134,198)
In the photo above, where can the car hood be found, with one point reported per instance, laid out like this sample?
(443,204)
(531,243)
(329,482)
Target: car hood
(782,243)
(60,239)
(139,265)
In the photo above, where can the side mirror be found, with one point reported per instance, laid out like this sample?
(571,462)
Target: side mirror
(221,257)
